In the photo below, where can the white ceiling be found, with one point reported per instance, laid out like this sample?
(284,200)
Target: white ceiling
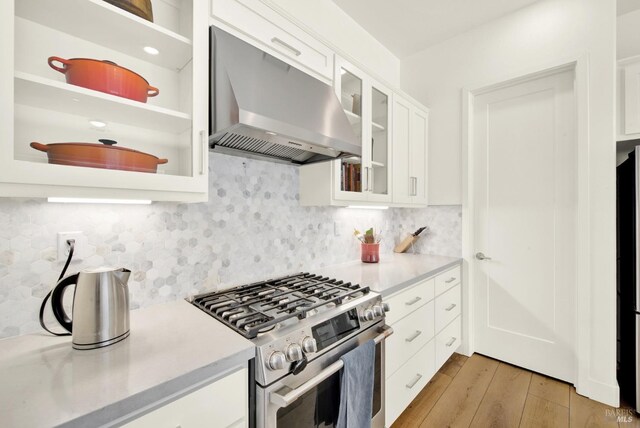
(409,26)
(626,6)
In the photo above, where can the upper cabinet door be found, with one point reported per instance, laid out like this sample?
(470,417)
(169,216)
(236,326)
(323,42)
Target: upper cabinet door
(46,103)
(418,156)
(352,175)
(410,137)
(379,179)
(632,99)
(402,183)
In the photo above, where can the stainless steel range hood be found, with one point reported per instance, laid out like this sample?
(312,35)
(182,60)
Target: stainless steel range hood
(263,107)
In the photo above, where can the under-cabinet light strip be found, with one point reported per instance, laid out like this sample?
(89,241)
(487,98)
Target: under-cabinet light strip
(368,207)
(99,201)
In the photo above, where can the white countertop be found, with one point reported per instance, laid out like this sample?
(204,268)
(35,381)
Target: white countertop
(44,382)
(173,346)
(392,273)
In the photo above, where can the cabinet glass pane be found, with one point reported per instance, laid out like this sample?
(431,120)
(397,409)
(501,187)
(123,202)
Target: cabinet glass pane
(380,141)
(351,99)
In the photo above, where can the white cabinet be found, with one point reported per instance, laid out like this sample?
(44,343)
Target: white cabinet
(410,144)
(222,403)
(39,106)
(631,98)
(258,24)
(427,323)
(365,179)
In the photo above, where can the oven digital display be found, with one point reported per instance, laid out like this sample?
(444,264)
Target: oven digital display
(335,329)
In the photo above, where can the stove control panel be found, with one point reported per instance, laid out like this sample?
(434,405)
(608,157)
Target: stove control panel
(280,356)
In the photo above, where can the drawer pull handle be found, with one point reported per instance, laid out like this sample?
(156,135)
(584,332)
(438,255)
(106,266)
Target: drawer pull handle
(450,280)
(450,342)
(413,301)
(286,45)
(412,338)
(450,307)
(414,381)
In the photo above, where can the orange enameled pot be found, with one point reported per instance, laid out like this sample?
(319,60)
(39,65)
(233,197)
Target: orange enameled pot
(100,156)
(104,76)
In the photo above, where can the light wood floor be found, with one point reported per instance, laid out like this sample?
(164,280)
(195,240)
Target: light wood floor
(483,392)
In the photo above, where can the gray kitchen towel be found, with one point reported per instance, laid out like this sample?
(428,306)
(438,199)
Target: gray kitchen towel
(356,389)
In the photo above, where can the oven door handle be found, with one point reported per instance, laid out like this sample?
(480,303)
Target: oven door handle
(283,400)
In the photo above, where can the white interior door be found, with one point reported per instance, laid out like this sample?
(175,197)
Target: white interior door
(525,201)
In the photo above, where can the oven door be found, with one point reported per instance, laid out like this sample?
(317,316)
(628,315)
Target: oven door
(312,398)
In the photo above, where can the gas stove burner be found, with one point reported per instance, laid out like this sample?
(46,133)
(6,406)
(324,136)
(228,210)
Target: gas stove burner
(263,306)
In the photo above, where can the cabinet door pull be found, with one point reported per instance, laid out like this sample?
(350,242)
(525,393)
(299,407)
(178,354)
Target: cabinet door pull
(450,307)
(450,280)
(203,151)
(412,338)
(286,45)
(413,301)
(450,342)
(414,381)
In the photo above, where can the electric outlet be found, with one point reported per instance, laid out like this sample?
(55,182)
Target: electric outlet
(337,228)
(79,249)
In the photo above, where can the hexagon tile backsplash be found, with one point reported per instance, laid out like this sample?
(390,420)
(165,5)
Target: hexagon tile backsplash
(252,228)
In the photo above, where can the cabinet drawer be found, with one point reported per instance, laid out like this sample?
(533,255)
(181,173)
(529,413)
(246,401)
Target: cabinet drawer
(446,280)
(223,401)
(409,335)
(447,307)
(407,301)
(447,341)
(267,29)
(405,384)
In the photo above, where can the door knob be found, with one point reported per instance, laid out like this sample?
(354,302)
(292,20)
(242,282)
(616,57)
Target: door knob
(481,256)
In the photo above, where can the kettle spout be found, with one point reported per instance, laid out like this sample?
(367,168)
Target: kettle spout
(123,275)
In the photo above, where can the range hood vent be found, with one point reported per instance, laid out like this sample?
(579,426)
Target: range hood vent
(263,108)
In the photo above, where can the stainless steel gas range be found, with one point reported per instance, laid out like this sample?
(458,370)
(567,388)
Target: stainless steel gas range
(301,325)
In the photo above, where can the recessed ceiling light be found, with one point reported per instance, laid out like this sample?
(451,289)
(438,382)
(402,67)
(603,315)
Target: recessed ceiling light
(97,124)
(151,50)
(270,133)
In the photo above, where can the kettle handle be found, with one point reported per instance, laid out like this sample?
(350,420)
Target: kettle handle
(56,301)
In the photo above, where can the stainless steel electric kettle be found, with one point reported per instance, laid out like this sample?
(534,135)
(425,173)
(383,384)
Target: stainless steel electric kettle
(100,315)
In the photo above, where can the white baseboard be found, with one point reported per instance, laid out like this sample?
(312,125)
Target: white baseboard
(598,391)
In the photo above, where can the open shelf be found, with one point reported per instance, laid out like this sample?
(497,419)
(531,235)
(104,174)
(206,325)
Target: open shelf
(102,23)
(354,119)
(50,94)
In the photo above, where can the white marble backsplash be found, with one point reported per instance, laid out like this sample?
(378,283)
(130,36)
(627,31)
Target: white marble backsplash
(252,228)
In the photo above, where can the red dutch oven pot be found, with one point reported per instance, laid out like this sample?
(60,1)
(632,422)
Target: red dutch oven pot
(104,76)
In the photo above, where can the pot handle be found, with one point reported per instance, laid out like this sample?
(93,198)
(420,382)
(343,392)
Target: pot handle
(64,62)
(162,161)
(152,92)
(39,146)
(107,142)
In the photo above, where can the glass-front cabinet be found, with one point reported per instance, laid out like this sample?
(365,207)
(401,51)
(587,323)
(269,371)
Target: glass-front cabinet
(367,106)
(69,131)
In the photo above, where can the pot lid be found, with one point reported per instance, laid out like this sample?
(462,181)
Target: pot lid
(106,145)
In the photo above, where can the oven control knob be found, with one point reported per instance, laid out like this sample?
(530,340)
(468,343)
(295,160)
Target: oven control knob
(378,311)
(277,360)
(367,315)
(309,345)
(294,352)
(386,307)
